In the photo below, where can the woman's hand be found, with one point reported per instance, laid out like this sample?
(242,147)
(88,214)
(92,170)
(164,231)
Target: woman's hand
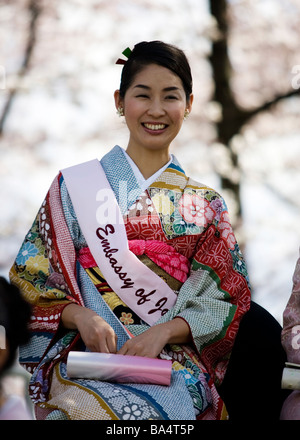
(95,332)
(148,344)
(152,341)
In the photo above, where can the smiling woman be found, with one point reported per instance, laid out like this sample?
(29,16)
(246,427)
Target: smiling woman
(154,107)
(193,292)
(155,95)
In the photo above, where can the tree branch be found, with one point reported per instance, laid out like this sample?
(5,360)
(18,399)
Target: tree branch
(233,117)
(247,115)
(34,10)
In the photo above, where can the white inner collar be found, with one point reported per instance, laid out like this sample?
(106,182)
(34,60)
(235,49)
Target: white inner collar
(145,183)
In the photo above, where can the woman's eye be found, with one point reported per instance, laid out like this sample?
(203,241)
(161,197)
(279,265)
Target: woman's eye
(142,96)
(171,97)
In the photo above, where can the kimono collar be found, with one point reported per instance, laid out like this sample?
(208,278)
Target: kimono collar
(127,184)
(145,183)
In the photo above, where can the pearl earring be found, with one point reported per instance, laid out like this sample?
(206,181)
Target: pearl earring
(120,111)
(186,114)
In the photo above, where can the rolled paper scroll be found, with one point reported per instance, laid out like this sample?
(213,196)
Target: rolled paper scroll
(291,377)
(119,368)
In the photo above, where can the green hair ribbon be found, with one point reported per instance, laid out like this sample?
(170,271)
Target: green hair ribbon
(127,53)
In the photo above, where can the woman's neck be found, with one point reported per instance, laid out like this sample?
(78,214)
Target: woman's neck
(148,162)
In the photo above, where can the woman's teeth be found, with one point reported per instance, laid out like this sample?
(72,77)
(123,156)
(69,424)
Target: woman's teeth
(155,126)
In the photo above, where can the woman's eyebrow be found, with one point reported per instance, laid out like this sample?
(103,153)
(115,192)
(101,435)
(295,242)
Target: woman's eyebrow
(171,89)
(166,89)
(141,86)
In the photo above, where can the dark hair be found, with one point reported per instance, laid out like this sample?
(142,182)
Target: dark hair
(162,54)
(14,317)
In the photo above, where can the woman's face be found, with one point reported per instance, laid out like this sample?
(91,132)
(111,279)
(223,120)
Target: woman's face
(154,107)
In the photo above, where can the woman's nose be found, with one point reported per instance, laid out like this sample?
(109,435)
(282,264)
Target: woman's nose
(156,108)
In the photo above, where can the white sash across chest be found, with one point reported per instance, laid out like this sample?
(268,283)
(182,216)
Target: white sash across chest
(101,222)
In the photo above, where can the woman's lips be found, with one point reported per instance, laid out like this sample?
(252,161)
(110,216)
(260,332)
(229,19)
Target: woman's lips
(154,127)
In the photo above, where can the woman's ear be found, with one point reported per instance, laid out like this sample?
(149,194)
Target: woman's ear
(189,104)
(118,100)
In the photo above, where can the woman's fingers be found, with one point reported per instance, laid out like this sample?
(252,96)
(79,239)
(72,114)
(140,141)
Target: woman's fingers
(96,333)
(148,344)
(108,342)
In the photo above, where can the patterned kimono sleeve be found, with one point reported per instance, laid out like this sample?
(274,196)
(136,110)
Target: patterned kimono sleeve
(45,273)
(291,320)
(216,294)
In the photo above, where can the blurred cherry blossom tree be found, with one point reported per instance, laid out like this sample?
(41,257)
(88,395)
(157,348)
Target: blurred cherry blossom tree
(253,56)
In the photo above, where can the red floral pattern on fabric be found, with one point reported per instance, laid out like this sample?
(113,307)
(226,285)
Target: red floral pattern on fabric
(195,209)
(225,228)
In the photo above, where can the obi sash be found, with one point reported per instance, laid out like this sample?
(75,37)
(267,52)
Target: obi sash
(102,224)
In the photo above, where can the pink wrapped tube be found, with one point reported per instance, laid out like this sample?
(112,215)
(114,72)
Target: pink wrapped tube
(118,368)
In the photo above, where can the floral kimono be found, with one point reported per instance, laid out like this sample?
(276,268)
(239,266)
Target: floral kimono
(179,229)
